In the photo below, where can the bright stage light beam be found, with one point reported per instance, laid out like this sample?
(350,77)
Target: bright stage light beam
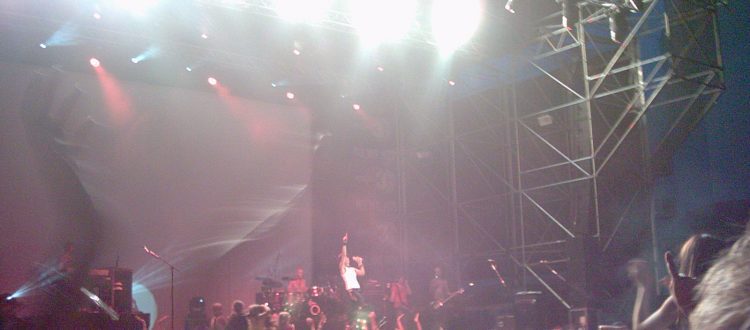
(212,81)
(302,11)
(94,62)
(383,21)
(454,22)
(147,54)
(66,35)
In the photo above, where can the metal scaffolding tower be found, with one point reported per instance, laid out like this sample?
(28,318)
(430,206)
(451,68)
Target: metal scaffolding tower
(545,158)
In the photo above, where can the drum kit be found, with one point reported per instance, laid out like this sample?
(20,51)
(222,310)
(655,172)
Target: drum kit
(301,305)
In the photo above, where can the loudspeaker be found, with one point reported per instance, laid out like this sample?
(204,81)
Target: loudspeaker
(114,286)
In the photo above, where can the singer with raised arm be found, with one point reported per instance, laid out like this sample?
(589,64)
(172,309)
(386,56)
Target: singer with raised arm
(349,274)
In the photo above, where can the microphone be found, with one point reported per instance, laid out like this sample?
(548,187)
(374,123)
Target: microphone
(152,253)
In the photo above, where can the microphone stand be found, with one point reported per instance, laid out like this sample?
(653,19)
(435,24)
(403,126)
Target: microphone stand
(493,265)
(171,282)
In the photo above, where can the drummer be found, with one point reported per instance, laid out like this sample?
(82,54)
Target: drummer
(297,287)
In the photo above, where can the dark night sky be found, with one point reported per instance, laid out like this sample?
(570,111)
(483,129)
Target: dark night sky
(713,165)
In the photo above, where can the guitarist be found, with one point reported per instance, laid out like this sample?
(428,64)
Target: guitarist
(440,293)
(439,286)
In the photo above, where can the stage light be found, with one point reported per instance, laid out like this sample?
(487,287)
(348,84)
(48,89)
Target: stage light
(509,6)
(273,85)
(43,45)
(451,82)
(454,22)
(146,54)
(355,106)
(188,69)
(212,81)
(66,35)
(302,11)
(383,21)
(97,16)
(290,95)
(144,299)
(94,62)
(570,13)
(381,69)
(204,36)
(296,52)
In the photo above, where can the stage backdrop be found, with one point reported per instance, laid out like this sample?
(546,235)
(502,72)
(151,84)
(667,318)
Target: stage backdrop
(214,183)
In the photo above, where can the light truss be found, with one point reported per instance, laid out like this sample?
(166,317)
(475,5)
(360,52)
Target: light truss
(554,158)
(342,21)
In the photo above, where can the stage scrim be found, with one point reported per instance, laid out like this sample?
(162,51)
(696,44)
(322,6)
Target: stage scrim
(214,183)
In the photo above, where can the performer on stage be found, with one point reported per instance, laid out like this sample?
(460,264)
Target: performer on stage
(297,287)
(439,292)
(399,298)
(439,286)
(349,274)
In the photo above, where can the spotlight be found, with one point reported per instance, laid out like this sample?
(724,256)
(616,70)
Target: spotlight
(509,6)
(570,13)
(204,36)
(296,52)
(273,85)
(97,16)
(290,95)
(188,69)
(381,69)
(43,45)
(355,106)
(149,53)
(451,82)
(454,22)
(94,62)
(212,81)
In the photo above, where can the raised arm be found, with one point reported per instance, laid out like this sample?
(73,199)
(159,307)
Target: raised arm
(639,272)
(663,317)
(343,257)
